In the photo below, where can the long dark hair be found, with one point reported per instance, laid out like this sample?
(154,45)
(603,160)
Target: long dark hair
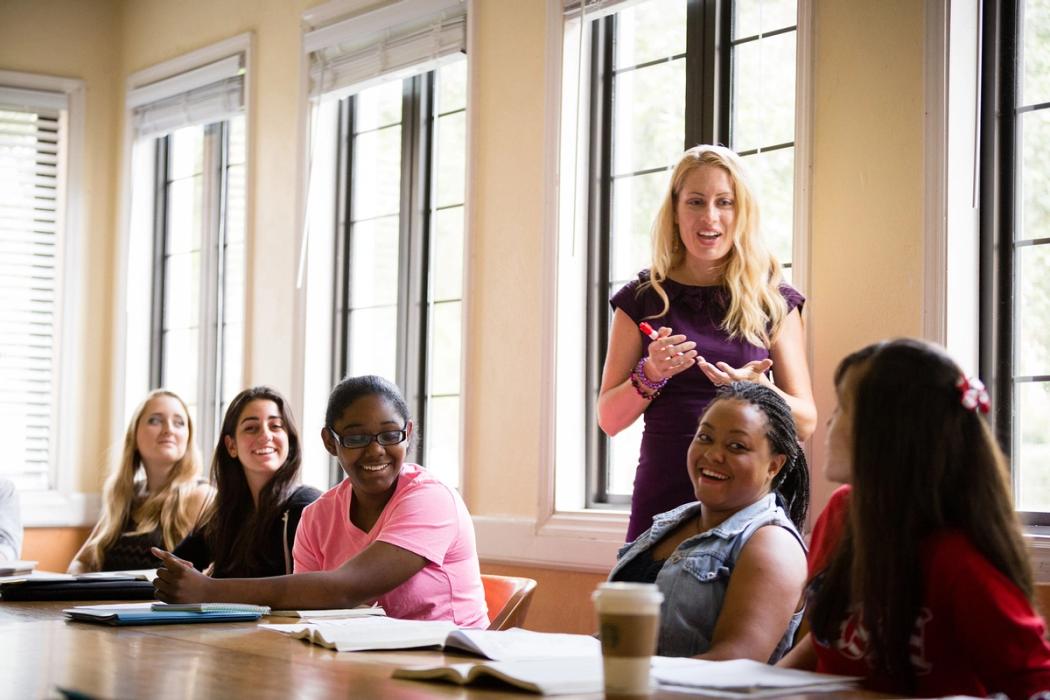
(235,528)
(792,481)
(933,464)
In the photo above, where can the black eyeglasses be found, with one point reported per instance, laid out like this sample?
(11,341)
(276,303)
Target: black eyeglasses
(356,442)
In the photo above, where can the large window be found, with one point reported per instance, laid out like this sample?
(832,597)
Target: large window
(1015,234)
(186,248)
(33,246)
(658,77)
(383,247)
(399,248)
(198,297)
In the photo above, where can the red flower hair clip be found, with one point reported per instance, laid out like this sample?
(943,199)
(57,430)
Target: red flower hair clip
(973,394)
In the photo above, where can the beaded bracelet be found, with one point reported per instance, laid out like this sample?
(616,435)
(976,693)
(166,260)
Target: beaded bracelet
(639,371)
(641,392)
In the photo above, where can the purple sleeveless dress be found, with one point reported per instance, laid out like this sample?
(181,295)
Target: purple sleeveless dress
(662,480)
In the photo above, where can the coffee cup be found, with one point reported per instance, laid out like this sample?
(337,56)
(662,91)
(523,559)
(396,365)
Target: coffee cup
(628,626)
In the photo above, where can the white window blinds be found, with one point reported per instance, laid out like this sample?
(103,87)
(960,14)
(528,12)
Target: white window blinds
(388,43)
(31,193)
(210,93)
(594,9)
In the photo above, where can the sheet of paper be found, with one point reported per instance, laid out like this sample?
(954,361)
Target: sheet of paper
(741,675)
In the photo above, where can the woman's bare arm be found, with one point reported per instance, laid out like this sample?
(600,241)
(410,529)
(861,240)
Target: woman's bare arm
(378,569)
(764,592)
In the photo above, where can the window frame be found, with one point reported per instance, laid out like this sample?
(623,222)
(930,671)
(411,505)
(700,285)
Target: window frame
(998,175)
(213,293)
(63,504)
(708,119)
(129,390)
(415,231)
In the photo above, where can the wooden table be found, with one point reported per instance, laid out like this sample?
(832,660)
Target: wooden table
(40,652)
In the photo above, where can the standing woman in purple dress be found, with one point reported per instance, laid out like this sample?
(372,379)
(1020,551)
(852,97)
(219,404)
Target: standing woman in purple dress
(716,297)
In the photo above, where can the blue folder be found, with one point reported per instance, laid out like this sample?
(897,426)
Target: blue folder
(145,616)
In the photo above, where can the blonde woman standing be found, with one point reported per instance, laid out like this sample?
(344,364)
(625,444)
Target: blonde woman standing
(153,497)
(716,297)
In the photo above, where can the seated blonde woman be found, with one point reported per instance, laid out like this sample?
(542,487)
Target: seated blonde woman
(153,497)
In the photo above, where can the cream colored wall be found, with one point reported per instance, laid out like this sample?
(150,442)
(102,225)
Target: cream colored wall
(504,340)
(866,271)
(73,39)
(866,267)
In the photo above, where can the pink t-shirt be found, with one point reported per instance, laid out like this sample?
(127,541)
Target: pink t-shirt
(425,517)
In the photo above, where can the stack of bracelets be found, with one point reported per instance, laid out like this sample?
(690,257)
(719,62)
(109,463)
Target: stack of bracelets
(639,380)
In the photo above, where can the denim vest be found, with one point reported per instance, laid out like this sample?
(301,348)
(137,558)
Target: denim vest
(695,577)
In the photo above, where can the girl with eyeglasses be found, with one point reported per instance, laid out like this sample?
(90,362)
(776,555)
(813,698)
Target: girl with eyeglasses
(249,528)
(390,532)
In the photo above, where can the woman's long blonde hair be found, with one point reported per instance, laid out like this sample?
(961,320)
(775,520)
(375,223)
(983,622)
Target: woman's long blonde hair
(169,507)
(752,275)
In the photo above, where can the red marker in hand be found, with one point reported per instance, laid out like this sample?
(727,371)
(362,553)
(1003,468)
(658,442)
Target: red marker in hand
(648,330)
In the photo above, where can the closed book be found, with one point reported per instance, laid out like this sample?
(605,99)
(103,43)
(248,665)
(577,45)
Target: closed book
(210,607)
(144,614)
(342,613)
(92,589)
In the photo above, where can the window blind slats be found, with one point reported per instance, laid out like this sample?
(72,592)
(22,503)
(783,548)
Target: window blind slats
(30,158)
(205,104)
(390,43)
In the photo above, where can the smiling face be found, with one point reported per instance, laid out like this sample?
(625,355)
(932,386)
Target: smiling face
(163,432)
(838,454)
(373,469)
(730,459)
(705,212)
(260,441)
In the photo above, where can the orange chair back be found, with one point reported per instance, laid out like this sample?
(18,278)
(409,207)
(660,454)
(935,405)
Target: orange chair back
(508,599)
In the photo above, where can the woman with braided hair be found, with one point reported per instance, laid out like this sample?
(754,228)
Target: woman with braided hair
(732,564)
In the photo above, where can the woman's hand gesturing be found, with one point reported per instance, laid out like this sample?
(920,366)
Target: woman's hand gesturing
(178,582)
(669,355)
(720,373)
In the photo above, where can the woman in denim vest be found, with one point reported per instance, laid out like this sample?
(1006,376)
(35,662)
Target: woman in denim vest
(732,565)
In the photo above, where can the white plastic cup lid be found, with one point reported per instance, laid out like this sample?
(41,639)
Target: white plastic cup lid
(628,596)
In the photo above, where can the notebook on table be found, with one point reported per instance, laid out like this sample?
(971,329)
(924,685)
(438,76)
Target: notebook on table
(102,585)
(147,614)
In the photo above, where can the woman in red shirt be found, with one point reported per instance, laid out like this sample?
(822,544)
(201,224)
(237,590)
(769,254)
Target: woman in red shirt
(919,577)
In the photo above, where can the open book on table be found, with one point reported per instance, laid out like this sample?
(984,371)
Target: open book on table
(550,676)
(376,633)
(147,614)
(563,675)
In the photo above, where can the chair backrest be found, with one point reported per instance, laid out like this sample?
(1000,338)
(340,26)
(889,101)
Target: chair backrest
(508,599)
